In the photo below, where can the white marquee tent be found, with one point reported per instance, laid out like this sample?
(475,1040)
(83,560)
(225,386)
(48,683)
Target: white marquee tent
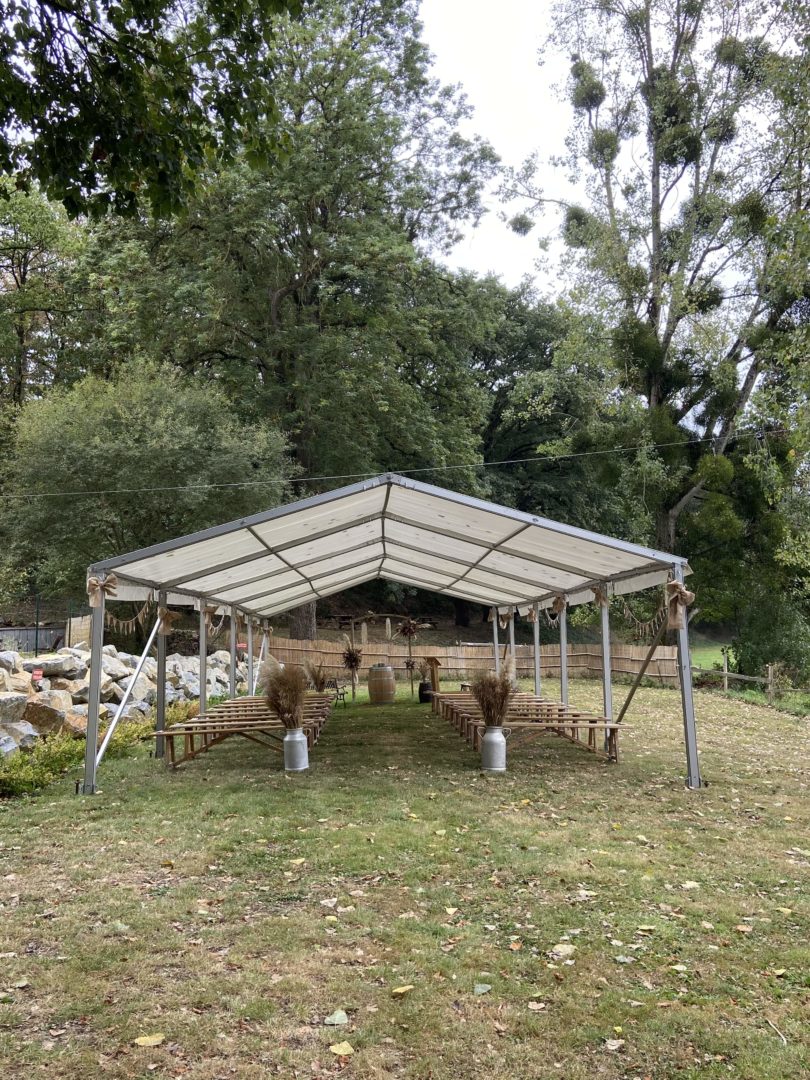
(388,527)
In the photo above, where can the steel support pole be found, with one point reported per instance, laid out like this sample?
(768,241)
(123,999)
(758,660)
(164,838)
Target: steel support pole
(203,660)
(94,695)
(563,617)
(607,689)
(512,647)
(250,654)
(536,632)
(160,711)
(232,680)
(693,780)
(495,644)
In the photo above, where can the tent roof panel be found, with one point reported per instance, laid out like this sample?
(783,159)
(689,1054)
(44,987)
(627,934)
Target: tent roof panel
(396,528)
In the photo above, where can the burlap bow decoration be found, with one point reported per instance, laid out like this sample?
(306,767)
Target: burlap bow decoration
(98,588)
(600,595)
(678,600)
(167,620)
(559,605)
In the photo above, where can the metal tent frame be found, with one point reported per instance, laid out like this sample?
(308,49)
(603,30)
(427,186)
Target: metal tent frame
(388,527)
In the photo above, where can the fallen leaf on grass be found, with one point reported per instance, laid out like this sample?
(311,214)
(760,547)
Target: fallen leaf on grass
(614,1045)
(481,988)
(297,862)
(451,910)
(515,946)
(690,885)
(744,928)
(341,1049)
(336,1019)
(537,1006)
(401,991)
(150,1040)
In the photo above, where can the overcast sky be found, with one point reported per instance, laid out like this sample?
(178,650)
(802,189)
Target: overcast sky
(491,49)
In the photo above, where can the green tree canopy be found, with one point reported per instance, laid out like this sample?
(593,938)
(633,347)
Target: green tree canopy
(146,446)
(690,243)
(108,102)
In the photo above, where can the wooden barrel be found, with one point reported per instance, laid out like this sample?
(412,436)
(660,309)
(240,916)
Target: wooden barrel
(381,686)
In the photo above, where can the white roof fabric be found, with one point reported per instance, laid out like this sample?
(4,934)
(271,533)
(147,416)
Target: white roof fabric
(395,528)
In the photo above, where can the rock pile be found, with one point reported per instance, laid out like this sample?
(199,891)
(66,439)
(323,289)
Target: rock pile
(57,702)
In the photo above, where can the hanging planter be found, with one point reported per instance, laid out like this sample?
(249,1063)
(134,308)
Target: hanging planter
(493,694)
(285,695)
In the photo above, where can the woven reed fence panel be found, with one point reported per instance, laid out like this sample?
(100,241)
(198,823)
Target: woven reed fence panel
(458,661)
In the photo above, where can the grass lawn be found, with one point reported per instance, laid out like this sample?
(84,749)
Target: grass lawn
(232,909)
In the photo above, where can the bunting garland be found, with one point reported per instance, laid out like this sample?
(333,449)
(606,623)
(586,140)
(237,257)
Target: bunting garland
(127,626)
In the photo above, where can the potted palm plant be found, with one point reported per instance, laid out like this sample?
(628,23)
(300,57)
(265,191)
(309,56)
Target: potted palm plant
(285,696)
(493,694)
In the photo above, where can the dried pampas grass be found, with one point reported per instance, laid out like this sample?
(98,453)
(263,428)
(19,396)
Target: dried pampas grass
(492,692)
(285,696)
(317,675)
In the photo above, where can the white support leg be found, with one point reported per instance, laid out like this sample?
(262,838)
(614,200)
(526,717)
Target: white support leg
(232,681)
(203,660)
(512,646)
(94,696)
(536,632)
(160,711)
(693,778)
(495,644)
(250,654)
(564,655)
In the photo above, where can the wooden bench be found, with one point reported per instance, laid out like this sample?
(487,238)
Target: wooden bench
(250,718)
(532,715)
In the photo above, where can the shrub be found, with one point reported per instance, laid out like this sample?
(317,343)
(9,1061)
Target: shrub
(28,771)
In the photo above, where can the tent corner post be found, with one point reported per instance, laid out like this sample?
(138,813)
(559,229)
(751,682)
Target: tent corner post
(607,689)
(495,645)
(160,710)
(203,660)
(693,778)
(94,694)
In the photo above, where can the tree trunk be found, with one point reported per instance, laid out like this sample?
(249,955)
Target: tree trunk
(302,622)
(462,609)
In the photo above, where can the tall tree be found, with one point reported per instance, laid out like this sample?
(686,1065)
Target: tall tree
(307,290)
(111,465)
(692,137)
(38,248)
(105,102)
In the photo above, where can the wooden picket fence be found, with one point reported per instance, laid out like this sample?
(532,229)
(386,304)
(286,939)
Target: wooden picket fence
(460,661)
